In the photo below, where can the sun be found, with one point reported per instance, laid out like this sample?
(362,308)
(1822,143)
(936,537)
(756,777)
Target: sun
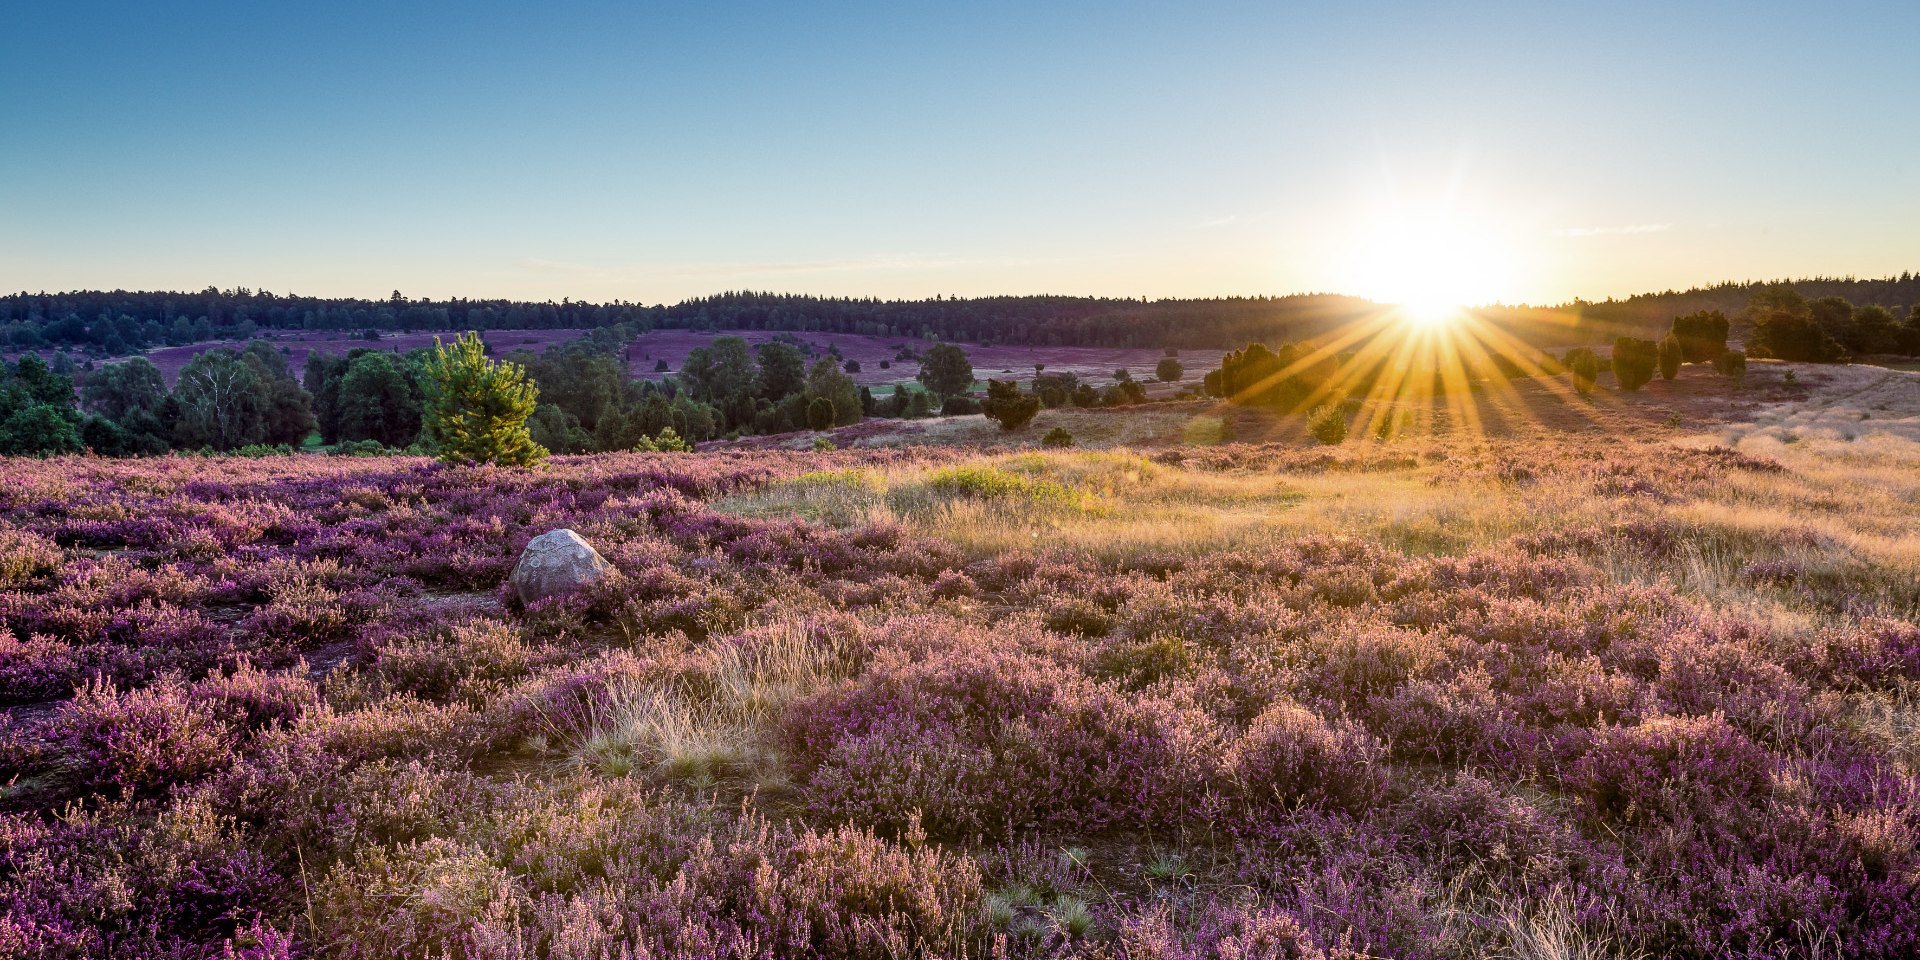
(1430,264)
(1429,314)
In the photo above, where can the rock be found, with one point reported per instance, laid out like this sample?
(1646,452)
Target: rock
(556,562)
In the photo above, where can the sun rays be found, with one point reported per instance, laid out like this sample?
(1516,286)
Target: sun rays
(1404,368)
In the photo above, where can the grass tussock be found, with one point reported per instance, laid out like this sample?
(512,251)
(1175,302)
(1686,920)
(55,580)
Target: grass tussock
(710,722)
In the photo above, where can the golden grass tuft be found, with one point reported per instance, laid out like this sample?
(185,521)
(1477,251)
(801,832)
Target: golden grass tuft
(711,723)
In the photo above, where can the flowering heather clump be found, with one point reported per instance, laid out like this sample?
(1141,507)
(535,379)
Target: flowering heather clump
(983,741)
(251,698)
(1438,698)
(111,883)
(1669,766)
(24,556)
(1236,933)
(1289,755)
(142,740)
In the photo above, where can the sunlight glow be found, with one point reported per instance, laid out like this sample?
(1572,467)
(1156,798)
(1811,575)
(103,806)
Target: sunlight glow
(1429,313)
(1430,263)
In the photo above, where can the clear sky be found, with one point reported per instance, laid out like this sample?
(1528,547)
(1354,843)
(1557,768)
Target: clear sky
(1534,150)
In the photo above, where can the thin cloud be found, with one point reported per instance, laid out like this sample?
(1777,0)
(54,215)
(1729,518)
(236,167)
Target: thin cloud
(1628,230)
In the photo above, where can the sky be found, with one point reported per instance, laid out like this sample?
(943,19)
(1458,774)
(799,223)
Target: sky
(1519,152)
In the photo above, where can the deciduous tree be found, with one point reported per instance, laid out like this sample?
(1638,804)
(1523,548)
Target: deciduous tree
(946,370)
(222,402)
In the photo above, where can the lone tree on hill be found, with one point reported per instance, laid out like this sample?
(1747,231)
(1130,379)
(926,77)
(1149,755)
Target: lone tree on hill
(1007,406)
(477,409)
(946,370)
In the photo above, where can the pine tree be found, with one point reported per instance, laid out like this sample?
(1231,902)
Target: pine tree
(477,409)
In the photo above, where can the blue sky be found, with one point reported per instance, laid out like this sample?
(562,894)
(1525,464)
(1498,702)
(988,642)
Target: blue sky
(1542,150)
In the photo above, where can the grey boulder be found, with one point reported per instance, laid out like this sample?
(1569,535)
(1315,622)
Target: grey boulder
(556,562)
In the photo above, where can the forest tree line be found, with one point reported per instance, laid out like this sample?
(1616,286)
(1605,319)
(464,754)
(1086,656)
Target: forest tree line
(115,323)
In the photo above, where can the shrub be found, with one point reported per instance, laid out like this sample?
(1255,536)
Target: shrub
(1057,437)
(667,440)
(417,900)
(1671,356)
(1122,394)
(820,414)
(25,556)
(1702,335)
(1584,366)
(142,740)
(1006,406)
(1055,389)
(250,698)
(1290,755)
(1228,931)
(473,659)
(1328,424)
(981,740)
(957,406)
(1137,665)
(116,884)
(359,448)
(1731,363)
(1634,360)
(258,450)
(1669,765)
(1785,326)
(824,445)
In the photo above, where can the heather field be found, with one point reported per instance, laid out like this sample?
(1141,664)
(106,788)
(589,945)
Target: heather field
(1649,689)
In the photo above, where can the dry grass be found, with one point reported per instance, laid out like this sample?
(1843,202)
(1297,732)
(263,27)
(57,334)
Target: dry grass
(1845,509)
(1892,719)
(710,724)
(1548,931)
(1111,504)
(1123,505)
